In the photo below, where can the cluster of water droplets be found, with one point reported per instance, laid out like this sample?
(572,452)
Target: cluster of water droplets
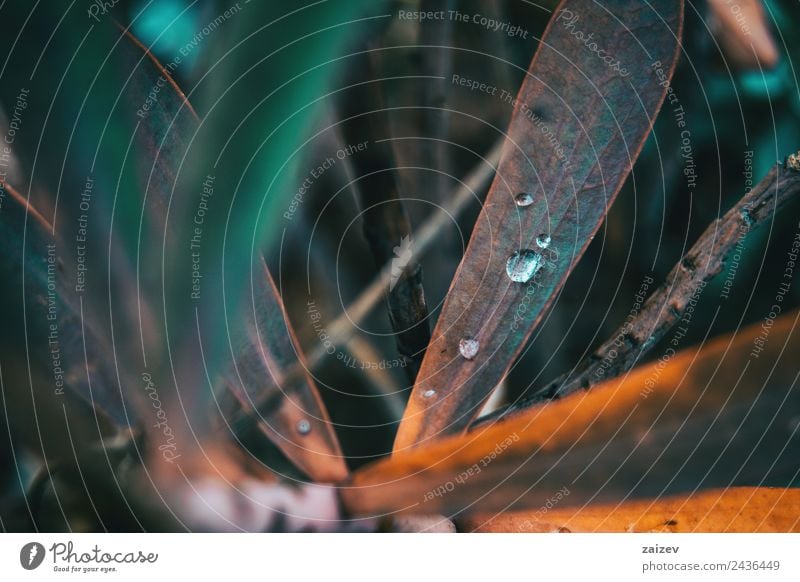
(523,265)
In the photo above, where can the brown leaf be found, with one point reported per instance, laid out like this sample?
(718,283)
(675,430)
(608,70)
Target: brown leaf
(579,122)
(743,33)
(269,371)
(32,387)
(741,509)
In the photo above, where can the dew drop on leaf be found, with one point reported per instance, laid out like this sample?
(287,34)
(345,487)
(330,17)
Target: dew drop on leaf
(429,394)
(523,265)
(468,347)
(303,427)
(543,241)
(523,199)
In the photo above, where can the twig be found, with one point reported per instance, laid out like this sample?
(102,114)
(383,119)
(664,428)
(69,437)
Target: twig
(385,222)
(342,328)
(23,201)
(668,304)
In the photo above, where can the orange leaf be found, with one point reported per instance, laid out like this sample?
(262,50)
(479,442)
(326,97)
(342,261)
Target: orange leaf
(743,33)
(742,509)
(718,415)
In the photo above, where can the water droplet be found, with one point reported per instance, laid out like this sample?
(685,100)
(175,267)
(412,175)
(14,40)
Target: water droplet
(429,394)
(523,265)
(469,347)
(523,199)
(543,240)
(303,427)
